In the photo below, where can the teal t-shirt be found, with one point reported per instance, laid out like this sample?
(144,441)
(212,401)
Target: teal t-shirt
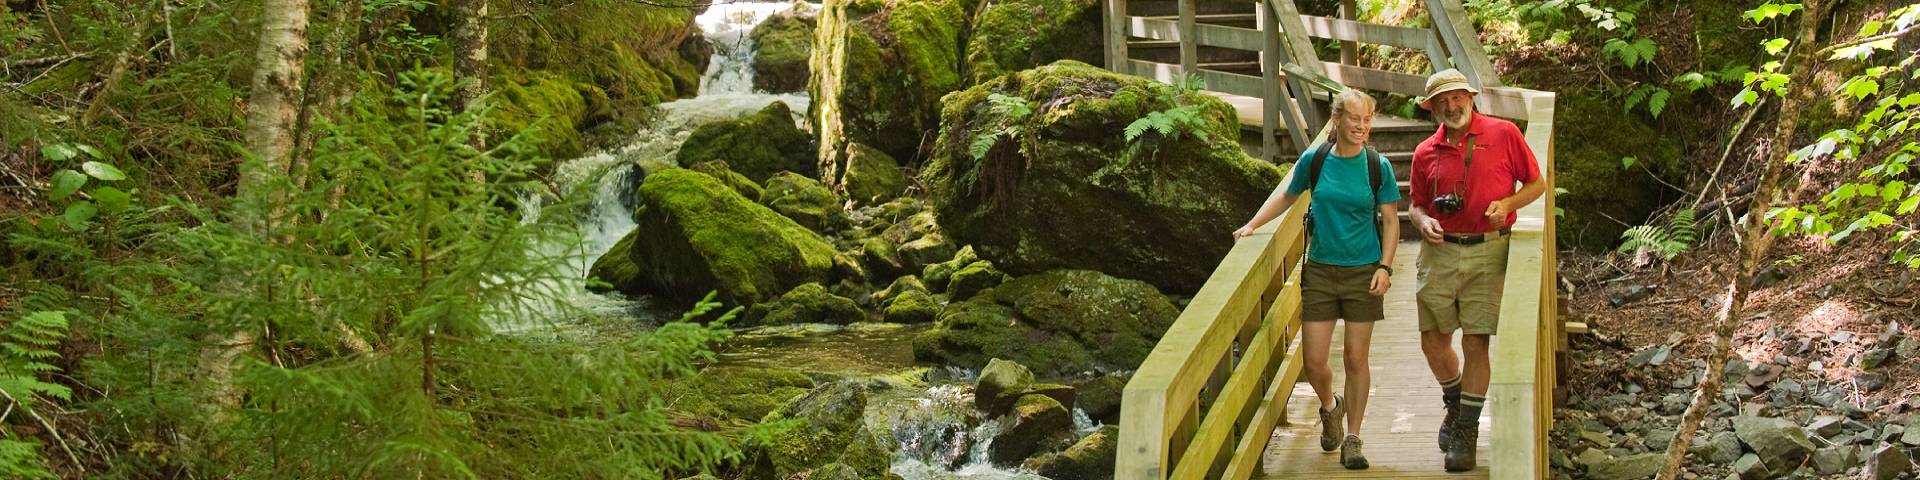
(1344,232)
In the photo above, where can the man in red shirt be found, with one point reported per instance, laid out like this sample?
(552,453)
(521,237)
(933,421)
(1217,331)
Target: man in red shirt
(1463,202)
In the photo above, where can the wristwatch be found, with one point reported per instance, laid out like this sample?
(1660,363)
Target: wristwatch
(1382,266)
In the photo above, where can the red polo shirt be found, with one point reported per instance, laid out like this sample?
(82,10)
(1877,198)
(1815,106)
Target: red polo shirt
(1500,158)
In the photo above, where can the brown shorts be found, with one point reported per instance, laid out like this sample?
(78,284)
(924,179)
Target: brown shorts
(1461,286)
(1332,292)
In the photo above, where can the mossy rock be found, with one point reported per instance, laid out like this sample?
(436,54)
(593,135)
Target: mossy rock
(615,269)
(1037,421)
(938,275)
(974,278)
(739,183)
(745,394)
(1022,34)
(782,44)
(1092,458)
(900,286)
(830,429)
(1033,203)
(1057,323)
(1001,384)
(548,106)
(834,471)
(872,176)
(1600,191)
(758,145)
(632,52)
(694,234)
(912,306)
(901,58)
(970,333)
(918,242)
(807,303)
(881,257)
(804,200)
(1100,398)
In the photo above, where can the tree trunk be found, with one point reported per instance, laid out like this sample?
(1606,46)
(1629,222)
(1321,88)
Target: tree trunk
(828,64)
(470,51)
(1755,236)
(272,111)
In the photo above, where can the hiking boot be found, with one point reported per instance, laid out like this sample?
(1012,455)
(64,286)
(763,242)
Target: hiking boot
(1333,424)
(1446,422)
(1350,455)
(1462,446)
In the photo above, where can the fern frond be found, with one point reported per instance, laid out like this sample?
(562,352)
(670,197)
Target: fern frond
(982,144)
(1683,228)
(1139,126)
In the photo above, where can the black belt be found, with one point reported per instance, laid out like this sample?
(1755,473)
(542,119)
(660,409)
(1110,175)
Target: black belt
(1477,238)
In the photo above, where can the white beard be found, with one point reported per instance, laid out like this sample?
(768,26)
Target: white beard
(1457,121)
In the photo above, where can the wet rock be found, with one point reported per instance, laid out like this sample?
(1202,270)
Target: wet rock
(1036,420)
(1833,460)
(719,170)
(1887,463)
(938,275)
(1001,383)
(807,303)
(758,145)
(1621,296)
(1059,393)
(1057,323)
(804,200)
(1749,467)
(1092,458)
(1100,398)
(1628,468)
(913,306)
(830,430)
(741,393)
(834,471)
(696,235)
(1781,444)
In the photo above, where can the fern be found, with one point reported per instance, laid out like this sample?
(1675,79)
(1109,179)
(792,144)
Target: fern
(1010,113)
(1666,241)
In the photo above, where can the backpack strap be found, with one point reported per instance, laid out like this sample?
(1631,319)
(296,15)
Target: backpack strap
(1373,173)
(1319,159)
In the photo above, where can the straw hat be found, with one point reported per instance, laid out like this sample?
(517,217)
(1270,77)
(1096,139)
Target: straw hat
(1444,81)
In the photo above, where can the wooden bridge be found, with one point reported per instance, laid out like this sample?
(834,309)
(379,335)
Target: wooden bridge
(1217,397)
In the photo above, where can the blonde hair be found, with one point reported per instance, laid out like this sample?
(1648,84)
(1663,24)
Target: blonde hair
(1350,95)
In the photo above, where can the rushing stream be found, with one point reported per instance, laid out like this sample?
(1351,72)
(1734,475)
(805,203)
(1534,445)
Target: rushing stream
(937,432)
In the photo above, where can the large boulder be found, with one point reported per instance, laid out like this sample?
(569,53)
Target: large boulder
(694,235)
(635,54)
(781,46)
(872,176)
(1158,208)
(550,106)
(758,145)
(1089,459)
(896,59)
(829,428)
(1780,443)
(807,303)
(719,169)
(615,270)
(1036,422)
(1100,398)
(1022,34)
(1056,323)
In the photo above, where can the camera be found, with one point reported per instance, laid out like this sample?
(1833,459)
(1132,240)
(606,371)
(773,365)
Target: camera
(1449,204)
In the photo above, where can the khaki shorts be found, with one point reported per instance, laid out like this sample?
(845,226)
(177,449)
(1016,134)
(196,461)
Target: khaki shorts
(1332,292)
(1460,286)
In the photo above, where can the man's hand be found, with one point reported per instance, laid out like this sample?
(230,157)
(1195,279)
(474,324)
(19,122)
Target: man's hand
(1243,232)
(1381,280)
(1428,227)
(1497,212)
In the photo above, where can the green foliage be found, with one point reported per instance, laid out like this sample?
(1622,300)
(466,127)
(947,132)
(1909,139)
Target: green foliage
(1881,143)
(1179,119)
(1011,113)
(1665,241)
(26,347)
(1630,51)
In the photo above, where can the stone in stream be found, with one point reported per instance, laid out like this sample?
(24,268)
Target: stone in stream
(1091,458)
(973,278)
(1628,468)
(758,145)
(807,303)
(913,306)
(781,46)
(1035,422)
(830,429)
(804,200)
(696,235)
(1100,398)
(938,275)
(1782,445)
(1033,204)
(1887,463)
(719,170)
(1057,323)
(1001,383)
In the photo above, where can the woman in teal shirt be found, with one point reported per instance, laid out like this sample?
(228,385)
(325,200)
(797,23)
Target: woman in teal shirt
(1355,230)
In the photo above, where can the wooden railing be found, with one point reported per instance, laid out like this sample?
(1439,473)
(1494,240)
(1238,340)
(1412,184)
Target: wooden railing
(1190,411)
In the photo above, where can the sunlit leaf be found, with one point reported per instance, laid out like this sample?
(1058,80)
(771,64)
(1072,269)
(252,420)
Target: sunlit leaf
(112,200)
(1775,46)
(58,152)
(103,171)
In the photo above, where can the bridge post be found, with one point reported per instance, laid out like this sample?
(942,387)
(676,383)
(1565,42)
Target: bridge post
(1117,29)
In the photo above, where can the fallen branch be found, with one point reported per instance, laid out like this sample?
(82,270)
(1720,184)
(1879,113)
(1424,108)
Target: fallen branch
(50,430)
